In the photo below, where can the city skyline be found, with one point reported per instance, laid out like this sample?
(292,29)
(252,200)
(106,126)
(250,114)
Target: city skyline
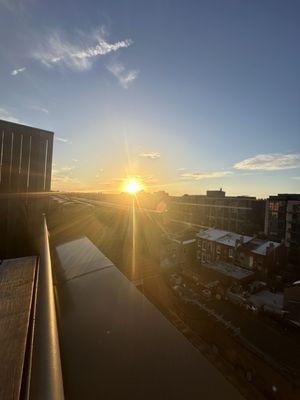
(182,97)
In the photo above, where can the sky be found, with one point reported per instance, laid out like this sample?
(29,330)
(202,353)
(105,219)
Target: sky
(185,95)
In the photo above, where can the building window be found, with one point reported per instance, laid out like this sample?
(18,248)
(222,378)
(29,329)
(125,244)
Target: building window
(230,253)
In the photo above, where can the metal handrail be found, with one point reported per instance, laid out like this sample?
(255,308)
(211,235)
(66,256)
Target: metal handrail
(46,374)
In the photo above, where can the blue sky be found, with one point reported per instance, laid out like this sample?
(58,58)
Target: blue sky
(187,95)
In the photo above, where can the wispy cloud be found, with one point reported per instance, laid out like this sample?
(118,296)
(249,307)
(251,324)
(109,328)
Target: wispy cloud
(58,50)
(63,178)
(270,162)
(62,140)
(39,108)
(205,175)
(99,173)
(125,77)
(152,155)
(67,168)
(17,71)
(6,115)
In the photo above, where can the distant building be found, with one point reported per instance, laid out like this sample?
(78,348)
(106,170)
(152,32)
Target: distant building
(248,252)
(178,252)
(25,158)
(216,193)
(241,214)
(291,302)
(282,222)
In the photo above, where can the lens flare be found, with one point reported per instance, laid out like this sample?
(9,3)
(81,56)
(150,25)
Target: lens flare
(132,185)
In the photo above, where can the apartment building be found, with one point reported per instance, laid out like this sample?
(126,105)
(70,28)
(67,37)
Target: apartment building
(282,223)
(241,214)
(25,158)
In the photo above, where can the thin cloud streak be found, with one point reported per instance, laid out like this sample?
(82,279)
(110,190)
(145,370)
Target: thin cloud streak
(124,77)
(62,140)
(205,175)
(38,108)
(150,155)
(17,71)
(270,162)
(58,50)
(7,116)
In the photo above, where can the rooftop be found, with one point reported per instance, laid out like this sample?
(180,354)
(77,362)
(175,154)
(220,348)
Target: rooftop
(223,237)
(264,245)
(230,270)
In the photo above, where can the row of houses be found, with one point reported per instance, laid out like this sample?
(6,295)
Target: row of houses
(249,252)
(236,262)
(237,257)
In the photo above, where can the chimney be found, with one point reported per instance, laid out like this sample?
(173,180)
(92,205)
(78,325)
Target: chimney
(270,248)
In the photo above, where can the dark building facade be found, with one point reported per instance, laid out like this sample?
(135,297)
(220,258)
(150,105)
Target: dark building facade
(241,214)
(25,158)
(282,223)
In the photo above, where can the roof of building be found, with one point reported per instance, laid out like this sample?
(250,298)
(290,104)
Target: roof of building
(211,234)
(223,237)
(231,237)
(264,245)
(115,343)
(229,270)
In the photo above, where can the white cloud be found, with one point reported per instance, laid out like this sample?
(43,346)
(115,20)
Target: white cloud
(152,155)
(17,71)
(60,139)
(124,76)
(7,116)
(67,168)
(270,162)
(296,177)
(63,179)
(205,175)
(79,54)
(38,108)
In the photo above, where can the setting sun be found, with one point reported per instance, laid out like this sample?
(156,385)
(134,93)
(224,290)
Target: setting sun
(132,185)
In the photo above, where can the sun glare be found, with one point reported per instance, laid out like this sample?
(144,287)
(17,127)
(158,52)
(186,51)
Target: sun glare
(132,185)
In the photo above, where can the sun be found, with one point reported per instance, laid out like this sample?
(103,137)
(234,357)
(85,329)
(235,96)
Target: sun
(132,185)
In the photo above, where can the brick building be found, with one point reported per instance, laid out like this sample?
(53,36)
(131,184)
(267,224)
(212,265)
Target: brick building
(248,252)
